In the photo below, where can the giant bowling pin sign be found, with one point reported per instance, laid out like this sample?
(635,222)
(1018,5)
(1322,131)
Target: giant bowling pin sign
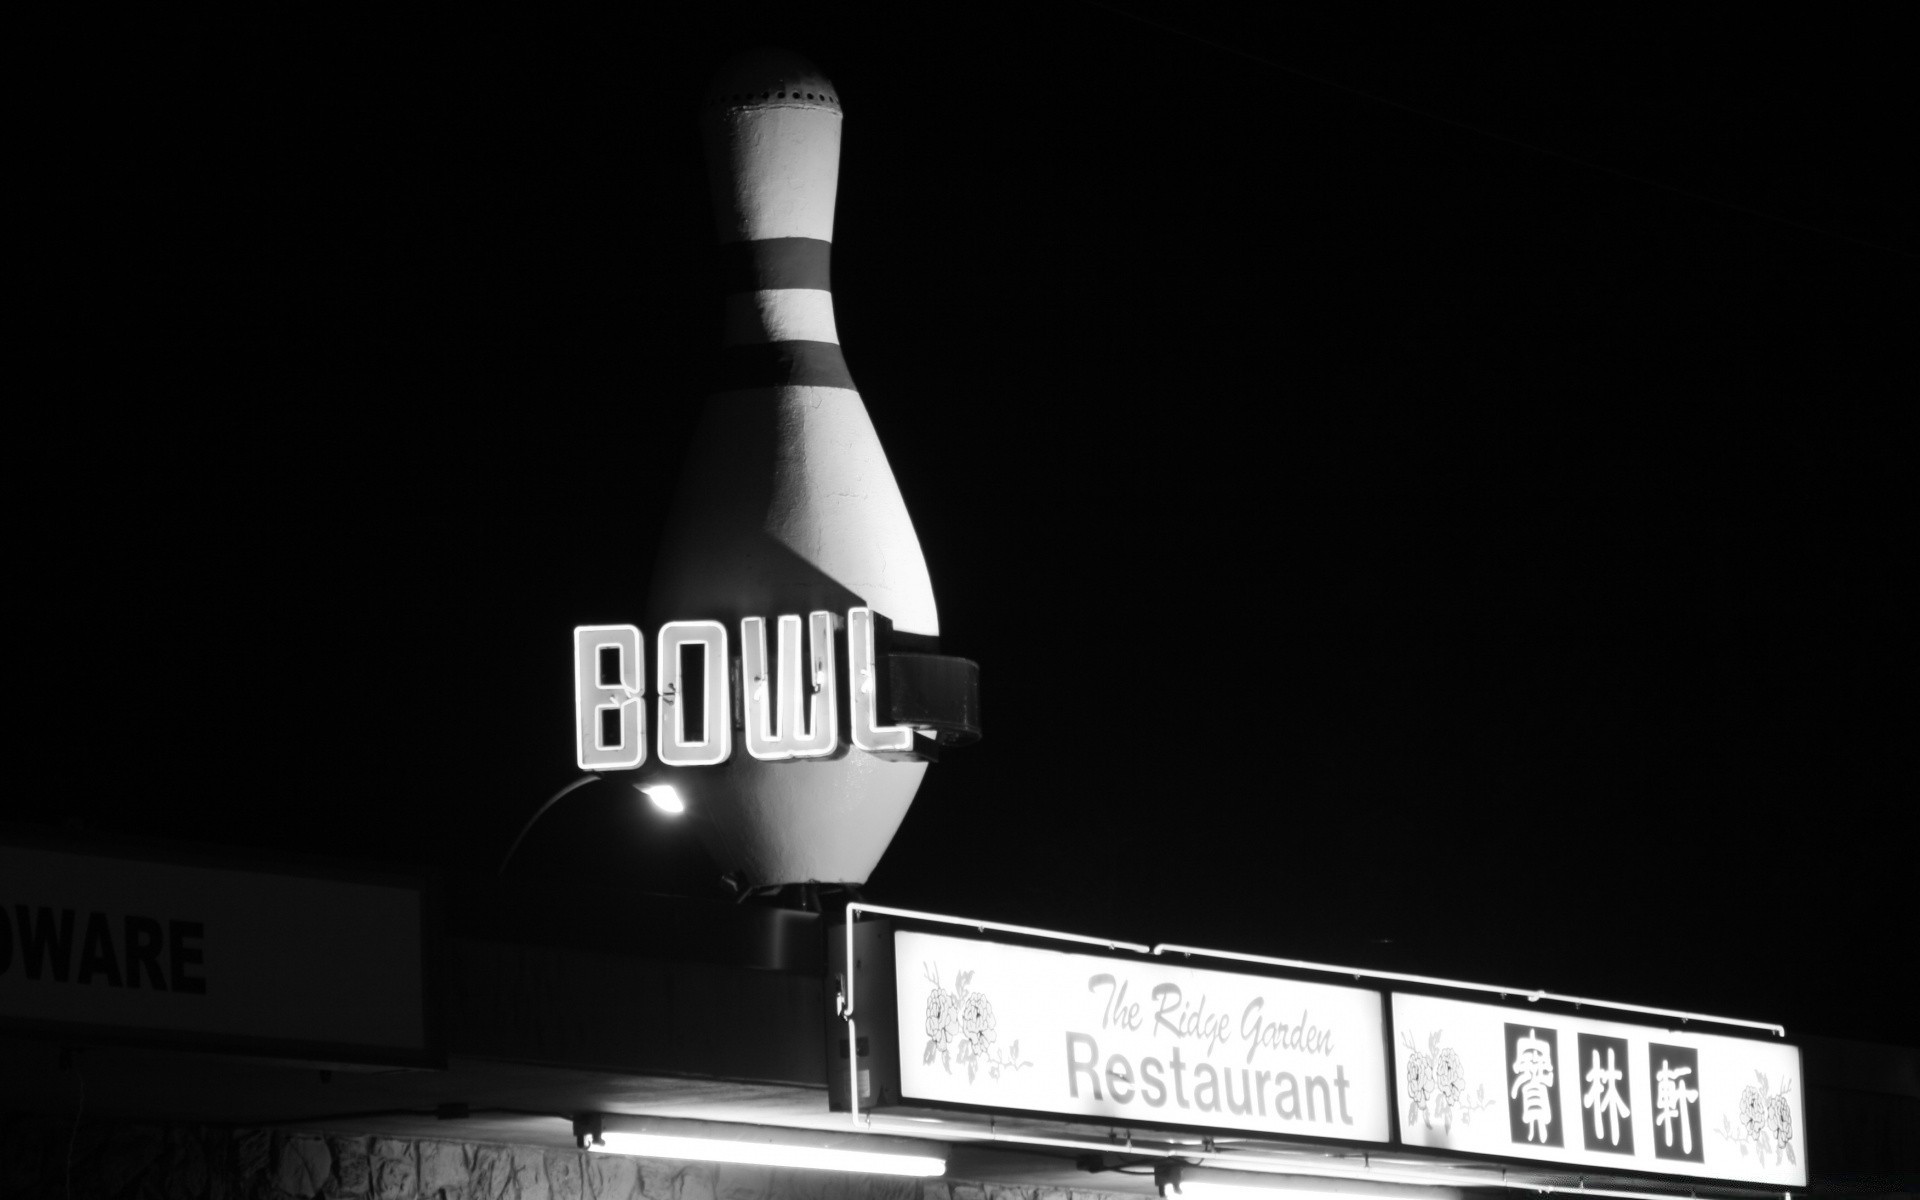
(787,505)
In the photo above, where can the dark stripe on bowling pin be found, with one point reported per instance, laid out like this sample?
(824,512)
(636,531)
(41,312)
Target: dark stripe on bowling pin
(790,262)
(782,364)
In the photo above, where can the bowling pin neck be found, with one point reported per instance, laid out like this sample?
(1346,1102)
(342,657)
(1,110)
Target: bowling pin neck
(774,160)
(772,126)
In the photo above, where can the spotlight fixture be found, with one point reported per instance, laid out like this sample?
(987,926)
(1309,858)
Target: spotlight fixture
(665,798)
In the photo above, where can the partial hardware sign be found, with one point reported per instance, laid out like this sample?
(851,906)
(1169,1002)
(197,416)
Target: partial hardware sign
(1145,1041)
(1514,1082)
(128,946)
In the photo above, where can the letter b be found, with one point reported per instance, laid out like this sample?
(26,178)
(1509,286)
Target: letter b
(609,669)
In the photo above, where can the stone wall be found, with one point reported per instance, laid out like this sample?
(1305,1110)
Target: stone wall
(43,1160)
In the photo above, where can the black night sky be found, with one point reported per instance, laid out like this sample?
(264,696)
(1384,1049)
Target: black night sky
(1427,490)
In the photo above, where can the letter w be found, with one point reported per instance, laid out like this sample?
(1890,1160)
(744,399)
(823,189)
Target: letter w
(41,940)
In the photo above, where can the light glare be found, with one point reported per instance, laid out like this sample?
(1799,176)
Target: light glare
(768,1154)
(665,798)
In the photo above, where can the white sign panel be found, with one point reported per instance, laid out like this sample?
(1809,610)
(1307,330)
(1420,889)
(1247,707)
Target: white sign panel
(283,964)
(1145,1041)
(1488,1079)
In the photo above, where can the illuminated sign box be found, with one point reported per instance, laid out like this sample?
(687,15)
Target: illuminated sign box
(1511,1082)
(1140,1038)
(1140,1041)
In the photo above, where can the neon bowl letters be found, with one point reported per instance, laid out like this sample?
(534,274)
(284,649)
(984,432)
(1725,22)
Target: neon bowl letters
(788,709)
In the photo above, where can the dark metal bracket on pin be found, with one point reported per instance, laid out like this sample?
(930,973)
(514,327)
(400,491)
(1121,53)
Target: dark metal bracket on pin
(936,695)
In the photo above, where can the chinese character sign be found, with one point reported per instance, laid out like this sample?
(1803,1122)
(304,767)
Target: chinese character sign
(1608,1126)
(1676,1102)
(1595,1093)
(1533,1100)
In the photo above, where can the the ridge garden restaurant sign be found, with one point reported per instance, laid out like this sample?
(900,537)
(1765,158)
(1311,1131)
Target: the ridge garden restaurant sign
(1141,1041)
(1147,1041)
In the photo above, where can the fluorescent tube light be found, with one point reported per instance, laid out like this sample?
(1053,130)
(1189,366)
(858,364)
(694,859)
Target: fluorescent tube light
(1199,1189)
(767,1154)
